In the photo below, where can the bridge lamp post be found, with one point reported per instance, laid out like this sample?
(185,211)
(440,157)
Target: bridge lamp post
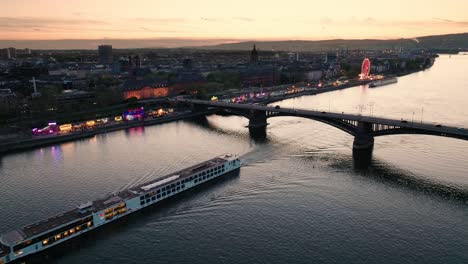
(412,120)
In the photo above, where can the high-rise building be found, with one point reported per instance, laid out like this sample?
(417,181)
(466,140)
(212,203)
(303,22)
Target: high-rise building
(105,54)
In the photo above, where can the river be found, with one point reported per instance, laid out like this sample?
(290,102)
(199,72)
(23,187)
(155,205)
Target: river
(298,199)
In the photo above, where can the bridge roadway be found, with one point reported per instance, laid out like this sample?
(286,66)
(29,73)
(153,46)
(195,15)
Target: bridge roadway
(381,126)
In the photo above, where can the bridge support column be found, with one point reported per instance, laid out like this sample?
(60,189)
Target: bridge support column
(363,145)
(257,125)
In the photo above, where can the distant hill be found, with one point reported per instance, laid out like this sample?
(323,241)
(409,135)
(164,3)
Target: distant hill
(452,41)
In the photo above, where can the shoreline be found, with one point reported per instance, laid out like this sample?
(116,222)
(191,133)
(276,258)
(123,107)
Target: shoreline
(32,143)
(29,144)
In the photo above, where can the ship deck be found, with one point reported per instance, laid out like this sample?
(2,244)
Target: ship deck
(100,204)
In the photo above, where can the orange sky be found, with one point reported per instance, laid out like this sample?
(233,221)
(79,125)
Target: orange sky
(233,19)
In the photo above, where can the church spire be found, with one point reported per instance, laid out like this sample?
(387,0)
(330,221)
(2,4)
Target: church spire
(254,55)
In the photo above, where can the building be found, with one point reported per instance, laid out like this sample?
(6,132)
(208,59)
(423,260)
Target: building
(8,101)
(8,53)
(75,100)
(259,77)
(105,54)
(254,55)
(145,89)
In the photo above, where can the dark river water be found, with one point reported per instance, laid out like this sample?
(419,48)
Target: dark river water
(298,199)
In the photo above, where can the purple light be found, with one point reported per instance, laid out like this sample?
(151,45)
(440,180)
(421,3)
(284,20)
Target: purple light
(52,124)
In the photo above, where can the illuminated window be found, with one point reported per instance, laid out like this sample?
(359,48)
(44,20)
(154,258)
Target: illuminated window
(58,237)
(65,233)
(78,228)
(89,224)
(72,231)
(45,242)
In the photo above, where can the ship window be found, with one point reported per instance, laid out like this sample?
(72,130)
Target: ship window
(172,185)
(153,198)
(147,195)
(178,183)
(178,187)
(158,191)
(196,180)
(204,177)
(158,196)
(148,200)
(183,186)
(142,202)
(164,194)
(163,188)
(142,197)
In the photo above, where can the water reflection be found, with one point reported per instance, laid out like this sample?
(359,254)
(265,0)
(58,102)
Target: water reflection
(135,131)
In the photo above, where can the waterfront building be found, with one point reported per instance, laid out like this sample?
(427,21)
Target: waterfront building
(144,89)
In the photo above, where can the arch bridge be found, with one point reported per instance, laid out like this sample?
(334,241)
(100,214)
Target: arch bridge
(363,128)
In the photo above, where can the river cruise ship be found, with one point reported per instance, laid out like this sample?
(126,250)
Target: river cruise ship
(88,216)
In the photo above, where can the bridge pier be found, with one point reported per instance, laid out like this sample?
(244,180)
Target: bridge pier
(363,145)
(257,125)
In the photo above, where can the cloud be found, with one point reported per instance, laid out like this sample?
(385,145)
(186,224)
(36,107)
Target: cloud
(326,21)
(246,19)
(157,31)
(156,20)
(449,21)
(42,21)
(208,19)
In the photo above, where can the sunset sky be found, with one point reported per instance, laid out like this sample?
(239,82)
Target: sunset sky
(234,19)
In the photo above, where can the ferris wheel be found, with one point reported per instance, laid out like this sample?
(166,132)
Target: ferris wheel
(365,69)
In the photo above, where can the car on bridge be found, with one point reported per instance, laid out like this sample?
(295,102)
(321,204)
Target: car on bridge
(460,129)
(438,125)
(277,107)
(404,121)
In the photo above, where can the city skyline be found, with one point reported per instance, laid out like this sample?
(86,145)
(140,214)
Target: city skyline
(240,20)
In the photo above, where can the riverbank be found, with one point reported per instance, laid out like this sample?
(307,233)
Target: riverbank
(314,92)
(16,145)
(36,142)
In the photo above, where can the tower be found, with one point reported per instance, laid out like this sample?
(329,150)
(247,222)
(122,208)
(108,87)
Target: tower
(254,55)
(105,54)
